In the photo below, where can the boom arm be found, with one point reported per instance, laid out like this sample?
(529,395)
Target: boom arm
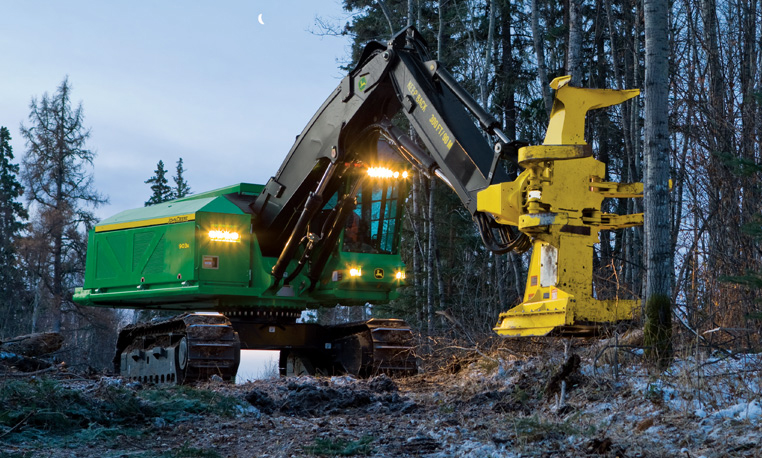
(398,77)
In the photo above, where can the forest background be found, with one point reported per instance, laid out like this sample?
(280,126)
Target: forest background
(504,53)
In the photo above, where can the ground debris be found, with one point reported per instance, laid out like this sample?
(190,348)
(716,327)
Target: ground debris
(645,424)
(419,445)
(495,406)
(311,397)
(605,447)
(563,374)
(261,401)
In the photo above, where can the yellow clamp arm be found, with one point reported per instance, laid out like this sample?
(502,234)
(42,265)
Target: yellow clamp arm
(567,118)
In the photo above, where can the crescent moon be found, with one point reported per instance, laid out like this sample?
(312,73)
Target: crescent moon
(260,19)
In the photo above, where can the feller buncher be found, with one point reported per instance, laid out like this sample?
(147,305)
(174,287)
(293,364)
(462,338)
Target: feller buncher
(325,230)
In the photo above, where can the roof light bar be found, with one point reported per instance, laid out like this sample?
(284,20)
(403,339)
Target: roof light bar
(383,172)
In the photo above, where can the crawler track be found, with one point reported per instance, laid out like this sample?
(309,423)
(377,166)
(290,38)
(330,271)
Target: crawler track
(192,347)
(182,349)
(377,346)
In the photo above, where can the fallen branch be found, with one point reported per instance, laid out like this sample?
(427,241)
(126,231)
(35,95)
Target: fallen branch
(18,425)
(23,363)
(32,345)
(27,374)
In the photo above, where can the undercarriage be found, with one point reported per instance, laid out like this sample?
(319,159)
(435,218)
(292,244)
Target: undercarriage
(195,347)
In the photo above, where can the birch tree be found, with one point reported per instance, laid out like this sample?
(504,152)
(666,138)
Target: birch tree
(656,191)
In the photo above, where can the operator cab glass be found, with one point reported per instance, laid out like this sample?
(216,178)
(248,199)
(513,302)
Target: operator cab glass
(374,225)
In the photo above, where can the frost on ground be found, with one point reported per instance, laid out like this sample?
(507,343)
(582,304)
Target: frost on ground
(513,401)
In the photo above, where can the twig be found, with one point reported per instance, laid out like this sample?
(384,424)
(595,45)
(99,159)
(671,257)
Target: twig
(18,425)
(602,350)
(27,374)
(474,349)
(511,352)
(698,335)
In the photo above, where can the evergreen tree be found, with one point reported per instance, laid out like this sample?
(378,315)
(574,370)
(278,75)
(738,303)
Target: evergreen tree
(181,186)
(59,185)
(12,213)
(162,192)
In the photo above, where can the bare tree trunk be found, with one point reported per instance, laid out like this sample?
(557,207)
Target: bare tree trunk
(440,277)
(634,240)
(574,48)
(502,291)
(416,255)
(416,191)
(539,39)
(659,269)
(430,261)
(517,268)
(507,72)
(387,15)
(656,189)
(487,67)
(59,217)
(724,193)
(36,305)
(613,47)
(440,31)
(751,190)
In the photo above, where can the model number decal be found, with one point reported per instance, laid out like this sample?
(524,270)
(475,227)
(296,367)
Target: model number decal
(418,98)
(183,246)
(178,219)
(446,139)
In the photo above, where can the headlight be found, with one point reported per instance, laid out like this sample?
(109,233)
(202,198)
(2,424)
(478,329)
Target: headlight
(355,272)
(399,275)
(224,236)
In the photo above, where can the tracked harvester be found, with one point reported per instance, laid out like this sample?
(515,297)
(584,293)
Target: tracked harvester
(325,230)
(199,255)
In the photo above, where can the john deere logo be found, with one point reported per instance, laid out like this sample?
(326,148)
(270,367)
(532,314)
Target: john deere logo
(378,273)
(363,82)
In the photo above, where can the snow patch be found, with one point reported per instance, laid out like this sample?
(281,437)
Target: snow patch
(742,411)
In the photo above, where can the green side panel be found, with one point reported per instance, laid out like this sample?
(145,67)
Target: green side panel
(163,254)
(146,255)
(220,262)
(111,255)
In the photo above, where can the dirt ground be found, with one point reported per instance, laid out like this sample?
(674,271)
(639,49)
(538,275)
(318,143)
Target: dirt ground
(504,403)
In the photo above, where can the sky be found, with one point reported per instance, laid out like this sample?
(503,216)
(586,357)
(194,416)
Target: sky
(161,80)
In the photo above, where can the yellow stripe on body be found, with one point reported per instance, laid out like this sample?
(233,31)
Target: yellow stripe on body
(146,223)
